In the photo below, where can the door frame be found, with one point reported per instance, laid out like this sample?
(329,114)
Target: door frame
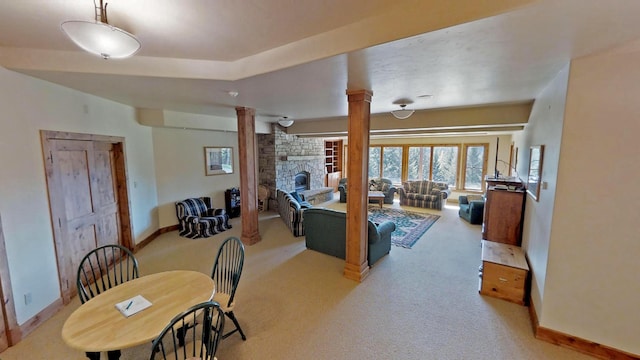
(56,205)
(11,328)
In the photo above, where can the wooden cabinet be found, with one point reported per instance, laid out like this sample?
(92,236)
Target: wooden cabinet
(504,273)
(232,202)
(333,163)
(503,213)
(333,179)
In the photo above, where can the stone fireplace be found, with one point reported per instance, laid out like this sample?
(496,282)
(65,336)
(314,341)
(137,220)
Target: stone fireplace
(283,157)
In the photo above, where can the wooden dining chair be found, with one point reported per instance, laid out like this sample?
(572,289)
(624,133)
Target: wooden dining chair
(200,328)
(227,269)
(101,269)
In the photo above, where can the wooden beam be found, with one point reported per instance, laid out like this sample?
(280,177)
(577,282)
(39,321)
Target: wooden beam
(357,267)
(248,179)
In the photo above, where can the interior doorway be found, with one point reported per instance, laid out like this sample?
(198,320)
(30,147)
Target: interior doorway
(88,198)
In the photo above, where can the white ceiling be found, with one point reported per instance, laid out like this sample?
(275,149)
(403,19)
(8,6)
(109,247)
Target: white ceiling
(297,58)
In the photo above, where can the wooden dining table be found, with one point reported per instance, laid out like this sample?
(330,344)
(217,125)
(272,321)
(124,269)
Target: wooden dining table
(98,326)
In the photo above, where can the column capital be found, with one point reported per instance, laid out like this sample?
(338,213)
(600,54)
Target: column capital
(359,95)
(244,111)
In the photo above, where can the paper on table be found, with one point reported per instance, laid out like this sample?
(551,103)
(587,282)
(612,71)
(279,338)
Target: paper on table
(133,305)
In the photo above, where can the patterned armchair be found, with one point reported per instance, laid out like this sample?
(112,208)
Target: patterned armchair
(197,219)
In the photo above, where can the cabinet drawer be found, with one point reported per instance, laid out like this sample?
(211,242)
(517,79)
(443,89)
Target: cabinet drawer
(503,282)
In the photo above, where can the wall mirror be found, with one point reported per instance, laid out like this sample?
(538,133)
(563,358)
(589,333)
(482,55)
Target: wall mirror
(534,178)
(218,160)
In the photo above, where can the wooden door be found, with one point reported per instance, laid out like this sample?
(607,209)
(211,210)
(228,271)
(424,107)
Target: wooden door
(85,202)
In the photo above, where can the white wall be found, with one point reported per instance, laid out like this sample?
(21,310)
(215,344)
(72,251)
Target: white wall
(592,289)
(29,105)
(179,157)
(544,128)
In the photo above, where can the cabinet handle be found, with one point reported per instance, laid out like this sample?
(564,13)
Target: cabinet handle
(503,279)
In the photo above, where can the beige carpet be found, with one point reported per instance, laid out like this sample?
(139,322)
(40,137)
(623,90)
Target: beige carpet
(293,303)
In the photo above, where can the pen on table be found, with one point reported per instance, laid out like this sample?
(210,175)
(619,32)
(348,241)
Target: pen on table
(129,305)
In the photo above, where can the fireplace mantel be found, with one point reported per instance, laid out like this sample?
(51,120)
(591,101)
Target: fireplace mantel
(300,157)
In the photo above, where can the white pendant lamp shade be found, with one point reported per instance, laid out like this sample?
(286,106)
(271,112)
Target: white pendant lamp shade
(402,113)
(101,39)
(284,122)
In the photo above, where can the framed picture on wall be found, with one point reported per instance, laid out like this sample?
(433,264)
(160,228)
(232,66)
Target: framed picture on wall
(218,160)
(534,179)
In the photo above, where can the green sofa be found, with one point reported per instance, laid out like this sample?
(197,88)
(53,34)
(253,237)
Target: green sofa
(326,232)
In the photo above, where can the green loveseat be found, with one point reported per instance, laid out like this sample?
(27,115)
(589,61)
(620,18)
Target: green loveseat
(326,232)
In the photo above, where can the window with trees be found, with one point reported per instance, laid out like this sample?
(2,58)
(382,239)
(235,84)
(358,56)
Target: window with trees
(386,162)
(437,163)
(374,161)
(475,166)
(392,163)
(445,164)
(442,163)
(419,163)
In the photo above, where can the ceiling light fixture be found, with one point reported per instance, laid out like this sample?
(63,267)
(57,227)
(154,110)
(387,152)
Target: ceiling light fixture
(285,122)
(402,113)
(100,38)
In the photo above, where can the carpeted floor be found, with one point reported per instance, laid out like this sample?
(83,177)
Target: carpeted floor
(295,303)
(410,226)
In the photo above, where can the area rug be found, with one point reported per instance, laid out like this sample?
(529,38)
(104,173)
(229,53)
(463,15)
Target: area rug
(410,226)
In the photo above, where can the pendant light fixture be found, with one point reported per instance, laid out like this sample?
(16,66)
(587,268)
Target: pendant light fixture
(100,38)
(285,122)
(402,113)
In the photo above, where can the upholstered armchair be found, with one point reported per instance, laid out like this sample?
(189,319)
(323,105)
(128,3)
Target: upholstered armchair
(384,185)
(379,184)
(197,219)
(471,208)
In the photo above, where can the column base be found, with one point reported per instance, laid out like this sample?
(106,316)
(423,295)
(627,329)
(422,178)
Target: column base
(357,273)
(251,239)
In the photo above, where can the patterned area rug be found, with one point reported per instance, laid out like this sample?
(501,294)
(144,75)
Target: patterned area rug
(410,226)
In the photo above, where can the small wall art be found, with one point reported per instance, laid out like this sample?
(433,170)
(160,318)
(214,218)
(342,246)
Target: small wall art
(218,160)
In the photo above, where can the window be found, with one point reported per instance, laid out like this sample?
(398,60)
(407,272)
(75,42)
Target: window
(419,163)
(374,161)
(392,163)
(445,164)
(460,166)
(475,166)
(436,163)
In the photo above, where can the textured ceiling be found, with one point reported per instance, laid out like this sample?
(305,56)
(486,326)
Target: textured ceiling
(297,58)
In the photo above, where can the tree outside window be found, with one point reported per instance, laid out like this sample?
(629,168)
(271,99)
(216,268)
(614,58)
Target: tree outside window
(419,163)
(445,164)
(392,163)
(374,162)
(475,166)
